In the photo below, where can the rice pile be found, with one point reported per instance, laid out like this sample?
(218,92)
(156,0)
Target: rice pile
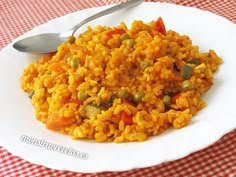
(119,84)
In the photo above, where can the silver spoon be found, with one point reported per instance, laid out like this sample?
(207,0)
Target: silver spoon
(49,42)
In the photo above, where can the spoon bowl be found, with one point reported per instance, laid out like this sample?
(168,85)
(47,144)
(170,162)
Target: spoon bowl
(49,42)
(42,43)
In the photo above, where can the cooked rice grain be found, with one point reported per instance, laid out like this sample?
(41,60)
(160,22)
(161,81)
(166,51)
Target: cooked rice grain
(99,65)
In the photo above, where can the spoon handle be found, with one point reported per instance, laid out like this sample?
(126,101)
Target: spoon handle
(105,12)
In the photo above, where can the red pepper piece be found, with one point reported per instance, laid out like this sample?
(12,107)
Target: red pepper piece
(174,98)
(160,26)
(115,31)
(127,118)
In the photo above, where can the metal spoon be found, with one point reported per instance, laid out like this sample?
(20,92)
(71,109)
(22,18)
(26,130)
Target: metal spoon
(48,42)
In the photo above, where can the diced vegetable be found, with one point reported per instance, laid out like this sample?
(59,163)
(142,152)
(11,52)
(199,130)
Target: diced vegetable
(167,100)
(92,111)
(113,97)
(130,42)
(138,97)
(82,96)
(31,94)
(75,62)
(71,39)
(126,101)
(115,31)
(187,85)
(182,109)
(194,61)
(55,122)
(144,64)
(175,97)
(56,67)
(127,118)
(187,71)
(89,111)
(160,26)
(124,37)
(110,102)
(123,94)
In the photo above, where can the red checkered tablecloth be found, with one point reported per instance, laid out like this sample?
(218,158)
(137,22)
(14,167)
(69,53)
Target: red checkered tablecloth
(19,16)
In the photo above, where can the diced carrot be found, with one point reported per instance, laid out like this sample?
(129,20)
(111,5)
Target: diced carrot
(115,31)
(57,67)
(160,26)
(127,118)
(56,122)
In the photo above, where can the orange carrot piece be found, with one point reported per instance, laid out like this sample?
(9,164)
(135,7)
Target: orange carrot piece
(56,122)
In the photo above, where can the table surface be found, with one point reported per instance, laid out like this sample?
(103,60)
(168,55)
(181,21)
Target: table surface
(20,16)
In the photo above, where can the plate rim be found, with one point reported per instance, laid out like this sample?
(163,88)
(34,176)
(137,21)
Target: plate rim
(104,169)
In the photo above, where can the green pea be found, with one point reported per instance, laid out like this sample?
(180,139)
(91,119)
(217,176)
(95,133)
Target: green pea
(82,95)
(144,64)
(138,97)
(123,93)
(75,63)
(124,37)
(71,39)
(130,42)
(167,100)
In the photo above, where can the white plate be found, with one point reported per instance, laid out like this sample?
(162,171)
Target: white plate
(219,117)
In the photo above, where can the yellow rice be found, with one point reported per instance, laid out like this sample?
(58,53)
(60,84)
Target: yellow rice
(106,65)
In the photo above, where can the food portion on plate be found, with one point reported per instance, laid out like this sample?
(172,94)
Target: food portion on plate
(121,84)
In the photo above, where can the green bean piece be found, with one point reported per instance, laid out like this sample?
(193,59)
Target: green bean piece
(187,71)
(194,61)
